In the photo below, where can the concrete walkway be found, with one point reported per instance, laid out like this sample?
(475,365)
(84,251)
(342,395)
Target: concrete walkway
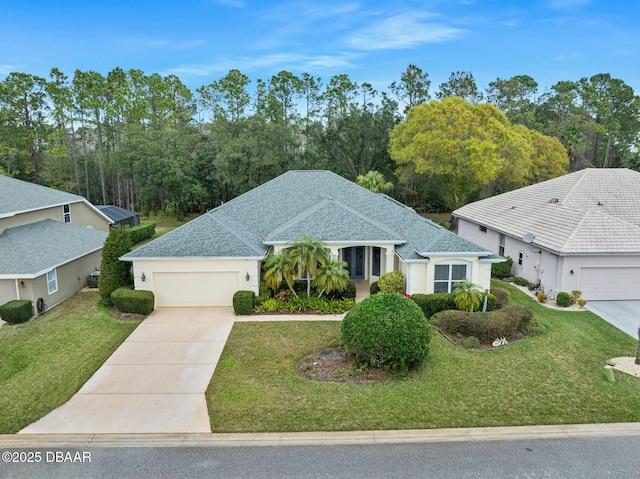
(154,382)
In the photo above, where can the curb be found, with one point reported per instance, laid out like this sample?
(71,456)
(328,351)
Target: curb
(320,438)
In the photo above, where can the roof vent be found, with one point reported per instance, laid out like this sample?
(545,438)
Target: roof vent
(600,203)
(554,200)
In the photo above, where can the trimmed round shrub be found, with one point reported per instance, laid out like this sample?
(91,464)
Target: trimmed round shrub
(502,270)
(130,300)
(563,299)
(391,282)
(502,297)
(16,311)
(374,288)
(386,330)
(243,302)
(519,314)
(434,303)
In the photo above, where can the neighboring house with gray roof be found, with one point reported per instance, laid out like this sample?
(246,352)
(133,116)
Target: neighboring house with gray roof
(204,262)
(580,231)
(50,241)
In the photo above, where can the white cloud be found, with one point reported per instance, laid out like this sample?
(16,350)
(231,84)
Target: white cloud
(275,62)
(6,69)
(401,31)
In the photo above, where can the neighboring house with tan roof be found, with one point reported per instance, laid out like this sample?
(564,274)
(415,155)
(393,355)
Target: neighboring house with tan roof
(50,241)
(204,262)
(580,231)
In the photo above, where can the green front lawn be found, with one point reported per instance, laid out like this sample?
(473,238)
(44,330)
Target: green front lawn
(45,361)
(554,378)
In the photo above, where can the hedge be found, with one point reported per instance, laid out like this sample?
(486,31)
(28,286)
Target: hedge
(130,300)
(503,323)
(142,232)
(374,288)
(243,302)
(434,303)
(348,293)
(16,311)
(502,270)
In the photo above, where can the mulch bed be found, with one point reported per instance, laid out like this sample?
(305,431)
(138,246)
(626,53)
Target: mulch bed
(113,312)
(333,365)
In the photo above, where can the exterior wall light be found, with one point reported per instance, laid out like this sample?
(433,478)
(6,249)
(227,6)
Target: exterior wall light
(143,278)
(247,277)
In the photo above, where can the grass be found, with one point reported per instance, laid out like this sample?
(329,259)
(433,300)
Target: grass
(440,218)
(554,378)
(45,361)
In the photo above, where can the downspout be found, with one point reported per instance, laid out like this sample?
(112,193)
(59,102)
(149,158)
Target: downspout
(17,289)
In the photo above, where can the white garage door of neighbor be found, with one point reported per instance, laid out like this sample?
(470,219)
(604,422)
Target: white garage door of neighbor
(609,283)
(196,289)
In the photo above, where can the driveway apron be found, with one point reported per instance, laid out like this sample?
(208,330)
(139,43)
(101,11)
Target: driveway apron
(154,382)
(624,315)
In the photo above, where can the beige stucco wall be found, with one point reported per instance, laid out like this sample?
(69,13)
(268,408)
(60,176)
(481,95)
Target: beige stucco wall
(68,282)
(420,275)
(243,266)
(81,215)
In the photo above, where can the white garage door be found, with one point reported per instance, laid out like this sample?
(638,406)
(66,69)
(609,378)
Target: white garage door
(196,289)
(613,283)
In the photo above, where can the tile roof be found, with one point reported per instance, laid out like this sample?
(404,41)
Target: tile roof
(17,196)
(38,247)
(309,202)
(590,211)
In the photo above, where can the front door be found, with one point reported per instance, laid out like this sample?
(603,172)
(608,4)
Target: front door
(354,257)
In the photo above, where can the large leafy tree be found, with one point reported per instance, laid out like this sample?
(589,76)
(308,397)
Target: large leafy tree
(465,146)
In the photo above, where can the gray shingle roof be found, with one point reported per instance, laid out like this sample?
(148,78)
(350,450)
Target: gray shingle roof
(115,213)
(18,196)
(590,211)
(309,202)
(38,247)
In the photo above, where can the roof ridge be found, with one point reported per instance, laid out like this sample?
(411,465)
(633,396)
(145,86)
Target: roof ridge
(375,223)
(575,185)
(300,216)
(243,240)
(585,214)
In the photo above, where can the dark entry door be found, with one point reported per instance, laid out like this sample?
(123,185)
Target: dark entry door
(354,257)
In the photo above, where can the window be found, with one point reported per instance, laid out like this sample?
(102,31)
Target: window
(375,261)
(483,229)
(501,245)
(447,275)
(52,281)
(66,213)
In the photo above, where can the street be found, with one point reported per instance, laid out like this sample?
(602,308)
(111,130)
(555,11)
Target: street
(585,457)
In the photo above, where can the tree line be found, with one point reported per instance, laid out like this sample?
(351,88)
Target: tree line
(149,143)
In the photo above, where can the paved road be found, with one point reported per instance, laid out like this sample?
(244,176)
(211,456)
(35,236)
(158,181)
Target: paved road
(591,457)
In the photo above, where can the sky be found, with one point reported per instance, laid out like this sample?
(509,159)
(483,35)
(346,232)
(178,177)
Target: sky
(371,41)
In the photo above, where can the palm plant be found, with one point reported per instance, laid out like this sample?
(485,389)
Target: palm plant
(276,269)
(467,296)
(331,275)
(304,256)
(374,181)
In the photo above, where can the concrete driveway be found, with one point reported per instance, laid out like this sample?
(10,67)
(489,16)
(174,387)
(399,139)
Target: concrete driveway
(154,382)
(624,315)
